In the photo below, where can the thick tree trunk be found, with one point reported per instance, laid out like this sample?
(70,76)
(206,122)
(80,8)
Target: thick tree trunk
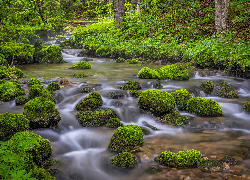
(221,13)
(119,13)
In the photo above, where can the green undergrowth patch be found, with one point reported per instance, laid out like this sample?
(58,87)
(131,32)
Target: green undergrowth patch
(134,93)
(81,65)
(53,86)
(8,72)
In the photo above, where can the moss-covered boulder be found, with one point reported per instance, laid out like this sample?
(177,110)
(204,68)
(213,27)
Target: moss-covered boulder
(90,102)
(20,100)
(120,60)
(134,93)
(51,54)
(180,159)
(39,91)
(81,65)
(53,86)
(156,101)
(147,73)
(207,86)
(226,91)
(12,123)
(42,113)
(41,174)
(170,117)
(124,160)
(181,98)
(204,107)
(9,90)
(246,106)
(174,72)
(114,123)
(182,121)
(126,138)
(131,85)
(99,117)
(33,81)
(116,95)
(7,72)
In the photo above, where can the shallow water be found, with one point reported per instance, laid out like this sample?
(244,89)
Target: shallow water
(83,153)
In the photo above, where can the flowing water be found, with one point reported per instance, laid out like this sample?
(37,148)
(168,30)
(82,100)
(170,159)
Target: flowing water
(82,152)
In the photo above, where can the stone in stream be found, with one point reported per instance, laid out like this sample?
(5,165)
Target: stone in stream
(90,102)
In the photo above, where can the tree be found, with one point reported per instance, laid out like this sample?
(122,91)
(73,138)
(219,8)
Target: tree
(221,14)
(119,13)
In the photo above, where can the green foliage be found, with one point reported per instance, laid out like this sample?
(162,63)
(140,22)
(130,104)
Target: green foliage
(131,85)
(42,113)
(3,61)
(120,60)
(20,100)
(41,174)
(114,123)
(9,90)
(79,75)
(226,91)
(7,72)
(173,71)
(182,120)
(126,138)
(12,123)
(147,73)
(246,106)
(51,54)
(33,81)
(207,86)
(204,107)
(180,159)
(134,93)
(133,61)
(181,98)
(156,101)
(59,38)
(124,160)
(53,86)
(96,118)
(81,65)
(90,102)
(39,91)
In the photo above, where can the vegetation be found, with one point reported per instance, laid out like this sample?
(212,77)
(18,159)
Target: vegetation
(246,106)
(39,91)
(81,65)
(9,90)
(226,91)
(79,75)
(33,81)
(90,102)
(120,60)
(131,85)
(181,98)
(207,86)
(114,123)
(20,100)
(51,54)
(133,61)
(53,86)
(8,72)
(116,95)
(170,117)
(134,93)
(124,160)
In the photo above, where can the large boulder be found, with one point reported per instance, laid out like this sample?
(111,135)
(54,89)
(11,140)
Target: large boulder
(90,102)
(181,98)
(39,91)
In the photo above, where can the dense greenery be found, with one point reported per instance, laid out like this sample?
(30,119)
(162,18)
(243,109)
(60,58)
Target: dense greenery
(131,85)
(39,91)
(227,91)
(181,98)
(246,106)
(9,90)
(81,65)
(7,72)
(33,81)
(207,86)
(20,100)
(90,102)
(124,160)
(53,86)
(114,123)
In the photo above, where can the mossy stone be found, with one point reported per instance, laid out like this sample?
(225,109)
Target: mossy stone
(81,65)
(181,98)
(207,86)
(182,120)
(246,106)
(39,91)
(9,90)
(124,160)
(226,91)
(133,61)
(51,54)
(114,123)
(79,75)
(41,174)
(87,90)
(134,93)
(115,95)
(131,85)
(33,81)
(170,117)
(174,72)
(64,81)
(147,73)
(120,60)
(53,86)
(20,100)
(90,102)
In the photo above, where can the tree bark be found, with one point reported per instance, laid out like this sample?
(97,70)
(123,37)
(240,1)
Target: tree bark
(119,13)
(221,14)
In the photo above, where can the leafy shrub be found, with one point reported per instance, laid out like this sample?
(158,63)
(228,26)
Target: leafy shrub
(42,113)
(156,101)
(51,54)
(147,73)
(33,81)
(181,98)
(20,100)
(90,102)
(79,75)
(180,159)
(133,61)
(53,86)
(114,123)
(116,95)
(204,107)
(81,65)
(226,91)
(39,91)
(12,123)
(120,60)
(3,61)
(9,90)
(207,86)
(126,138)
(124,160)
(131,85)
(134,93)
(246,106)
(64,81)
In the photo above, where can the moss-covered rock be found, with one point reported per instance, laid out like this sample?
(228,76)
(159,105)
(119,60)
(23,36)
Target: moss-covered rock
(12,123)
(131,85)
(42,113)
(174,72)
(147,73)
(204,107)
(41,174)
(207,86)
(226,91)
(64,81)
(9,90)
(90,102)
(79,75)
(209,164)
(157,84)
(81,65)
(180,159)
(116,95)
(156,101)
(182,120)
(126,138)
(134,93)
(87,89)
(20,100)
(39,91)
(51,54)
(170,117)
(114,123)
(33,81)
(99,117)
(7,72)
(53,86)
(246,106)
(120,60)
(181,98)
(124,160)
(133,61)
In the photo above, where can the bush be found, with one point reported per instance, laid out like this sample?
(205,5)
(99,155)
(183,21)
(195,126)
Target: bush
(53,86)
(126,138)
(207,86)
(226,91)
(9,90)
(120,60)
(20,100)
(96,118)
(33,81)
(133,61)
(81,65)
(116,95)
(134,93)
(42,113)
(3,61)
(181,98)
(114,123)
(203,107)
(90,102)
(51,54)
(12,123)
(246,106)
(156,101)
(39,91)
(124,160)
(131,85)
(180,159)
(147,73)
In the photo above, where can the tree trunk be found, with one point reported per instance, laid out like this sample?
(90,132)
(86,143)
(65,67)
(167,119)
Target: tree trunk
(221,13)
(119,13)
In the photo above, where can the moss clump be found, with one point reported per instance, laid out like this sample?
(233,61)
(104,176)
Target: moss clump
(7,72)
(226,91)
(96,118)
(182,120)
(134,93)
(147,73)
(133,61)
(124,160)
(207,86)
(42,113)
(20,100)
(79,75)
(126,138)
(156,101)
(41,174)
(120,60)
(131,85)
(116,95)
(87,90)
(180,159)
(9,90)
(60,38)
(114,123)
(33,81)
(90,102)
(246,106)
(81,65)
(51,54)
(12,123)
(181,98)
(174,72)
(204,107)
(170,117)
(64,81)
(53,86)
(209,165)
(39,91)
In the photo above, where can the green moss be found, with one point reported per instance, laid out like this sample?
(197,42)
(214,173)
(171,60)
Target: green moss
(158,84)
(181,98)
(81,65)
(20,100)
(133,61)
(174,72)
(131,85)
(59,38)
(124,160)
(156,101)
(12,123)
(33,81)
(95,118)
(116,95)
(114,123)
(90,102)
(39,91)
(87,90)
(7,72)
(170,117)
(209,164)
(51,54)
(53,86)
(246,106)
(120,60)
(41,174)
(180,159)
(9,90)
(182,120)
(42,113)
(126,138)
(207,86)
(204,107)
(226,91)
(134,93)
(147,73)
(79,75)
